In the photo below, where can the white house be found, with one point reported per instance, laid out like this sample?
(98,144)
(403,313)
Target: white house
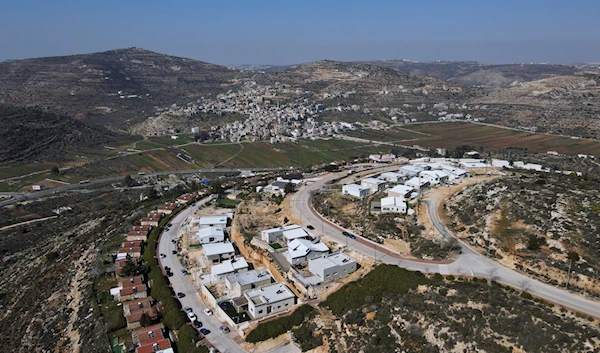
(218,252)
(390,177)
(331,266)
(356,190)
(393,205)
(434,177)
(417,183)
(210,235)
(212,221)
(455,172)
(289,233)
(238,283)
(300,250)
(500,163)
(409,171)
(373,184)
(269,299)
(228,267)
(401,191)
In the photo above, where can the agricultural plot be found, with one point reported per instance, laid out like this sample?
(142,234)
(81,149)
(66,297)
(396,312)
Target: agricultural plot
(385,135)
(452,135)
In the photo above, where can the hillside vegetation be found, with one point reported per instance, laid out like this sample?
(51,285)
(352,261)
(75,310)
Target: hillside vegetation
(28,135)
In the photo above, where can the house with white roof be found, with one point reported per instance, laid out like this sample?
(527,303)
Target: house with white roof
(373,183)
(455,172)
(212,221)
(409,171)
(287,233)
(500,163)
(393,205)
(434,177)
(228,267)
(403,191)
(216,253)
(417,183)
(332,266)
(238,283)
(390,177)
(300,250)
(269,299)
(356,190)
(210,235)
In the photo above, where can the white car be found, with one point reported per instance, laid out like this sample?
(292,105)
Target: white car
(208,312)
(192,316)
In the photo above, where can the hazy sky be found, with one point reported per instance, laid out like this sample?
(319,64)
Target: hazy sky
(288,32)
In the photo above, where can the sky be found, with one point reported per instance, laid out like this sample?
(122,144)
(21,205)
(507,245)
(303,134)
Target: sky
(289,32)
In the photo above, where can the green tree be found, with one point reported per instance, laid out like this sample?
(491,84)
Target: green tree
(573,257)
(289,188)
(128,181)
(55,170)
(145,320)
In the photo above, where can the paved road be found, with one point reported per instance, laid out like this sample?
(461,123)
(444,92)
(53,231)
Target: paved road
(33,195)
(183,284)
(470,263)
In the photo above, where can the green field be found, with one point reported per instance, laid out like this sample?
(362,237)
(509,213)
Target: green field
(389,135)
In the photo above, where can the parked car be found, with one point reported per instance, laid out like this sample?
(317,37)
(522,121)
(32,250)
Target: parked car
(170,274)
(208,312)
(180,295)
(174,241)
(204,331)
(197,324)
(169,225)
(351,236)
(345,233)
(174,252)
(184,272)
(192,317)
(224,329)
(167,269)
(187,309)
(310,227)
(162,256)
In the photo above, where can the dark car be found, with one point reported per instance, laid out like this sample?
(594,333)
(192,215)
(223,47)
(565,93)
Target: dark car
(174,252)
(173,241)
(167,269)
(345,233)
(162,256)
(197,324)
(224,329)
(310,227)
(204,331)
(170,274)
(180,295)
(184,272)
(351,236)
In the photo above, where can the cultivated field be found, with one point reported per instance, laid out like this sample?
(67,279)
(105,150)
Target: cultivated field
(451,135)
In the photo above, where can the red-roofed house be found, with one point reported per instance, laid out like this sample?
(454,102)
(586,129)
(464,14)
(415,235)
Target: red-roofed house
(137,235)
(134,309)
(150,221)
(133,292)
(148,335)
(134,252)
(141,228)
(162,346)
(185,198)
(167,208)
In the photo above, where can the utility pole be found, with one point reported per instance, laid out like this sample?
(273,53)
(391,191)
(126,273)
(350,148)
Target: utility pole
(568,275)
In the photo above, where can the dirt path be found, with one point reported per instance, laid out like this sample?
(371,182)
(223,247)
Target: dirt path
(27,222)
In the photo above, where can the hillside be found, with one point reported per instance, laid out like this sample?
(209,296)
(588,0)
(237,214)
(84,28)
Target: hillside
(478,74)
(116,88)
(28,135)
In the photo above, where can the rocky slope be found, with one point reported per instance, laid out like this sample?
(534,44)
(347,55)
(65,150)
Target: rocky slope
(116,88)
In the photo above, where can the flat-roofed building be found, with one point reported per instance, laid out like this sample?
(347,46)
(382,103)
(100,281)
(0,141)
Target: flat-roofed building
(373,183)
(393,205)
(269,299)
(208,235)
(300,250)
(403,191)
(212,221)
(356,190)
(287,233)
(238,283)
(331,266)
(218,252)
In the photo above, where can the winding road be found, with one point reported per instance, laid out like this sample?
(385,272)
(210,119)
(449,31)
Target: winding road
(469,263)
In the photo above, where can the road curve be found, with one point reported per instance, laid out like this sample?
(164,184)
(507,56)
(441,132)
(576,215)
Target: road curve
(470,263)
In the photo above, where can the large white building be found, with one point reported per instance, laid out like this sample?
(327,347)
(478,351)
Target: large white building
(210,235)
(287,233)
(218,252)
(373,184)
(417,183)
(393,205)
(331,266)
(238,283)
(269,299)
(356,190)
(409,171)
(300,250)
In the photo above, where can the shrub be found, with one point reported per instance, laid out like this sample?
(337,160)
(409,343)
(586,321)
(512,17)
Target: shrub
(526,295)
(274,328)
(383,280)
(450,278)
(187,338)
(305,337)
